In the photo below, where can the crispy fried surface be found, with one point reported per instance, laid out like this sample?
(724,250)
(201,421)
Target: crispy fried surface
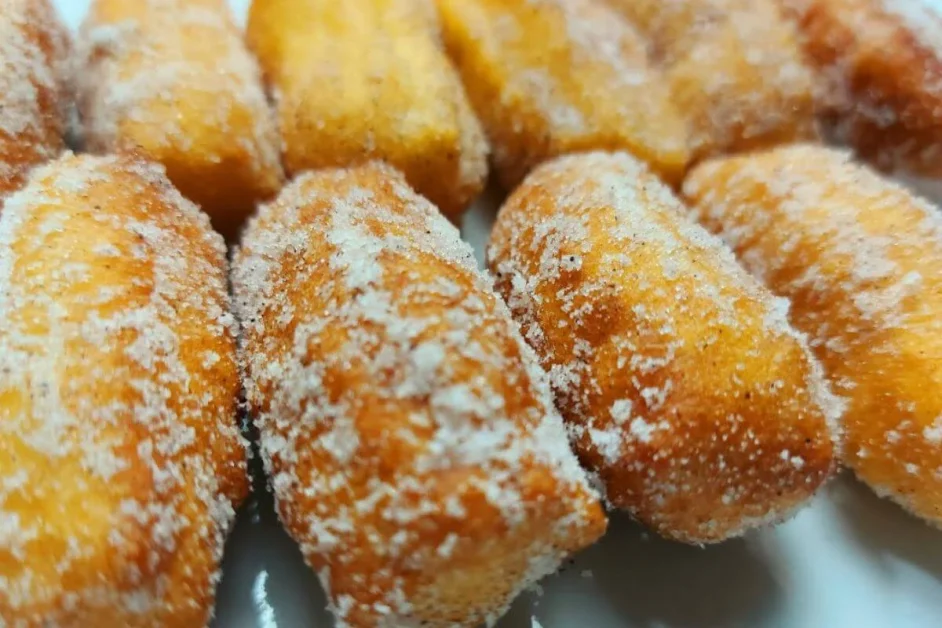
(368,79)
(411,439)
(880,69)
(549,77)
(33,88)
(174,79)
(688,393)
(120,460)
(861,260)
(734,67)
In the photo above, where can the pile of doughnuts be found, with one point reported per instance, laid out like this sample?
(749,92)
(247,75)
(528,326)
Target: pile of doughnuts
(694,309)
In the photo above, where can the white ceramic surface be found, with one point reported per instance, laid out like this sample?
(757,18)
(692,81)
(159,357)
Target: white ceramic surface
(849,560)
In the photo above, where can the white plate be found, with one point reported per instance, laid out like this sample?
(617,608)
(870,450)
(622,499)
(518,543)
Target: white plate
(848,560)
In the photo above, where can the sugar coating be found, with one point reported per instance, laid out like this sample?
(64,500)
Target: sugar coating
(33,88)
(861,259)
(393,93)
(684,387)
(410,437)
(173,79)
(734,67)
(120,459)
(879,66)
(549,77)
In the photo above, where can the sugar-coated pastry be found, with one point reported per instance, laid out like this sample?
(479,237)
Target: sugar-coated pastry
(549,77)
(686,390)
(174,79)
(33,88)
(880,71)
(409,434)
(368,79)
(734,67)
(120,457)
(861,260)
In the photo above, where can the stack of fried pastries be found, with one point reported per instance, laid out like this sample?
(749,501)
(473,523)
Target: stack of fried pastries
(691,310)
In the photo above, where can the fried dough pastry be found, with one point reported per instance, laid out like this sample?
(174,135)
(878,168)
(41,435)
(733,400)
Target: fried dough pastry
(734,67)
(549,77)
(368,79)
(880,70)
(174,79)
(687,392)
(409,434)
(120,458)
(33,88)
(861,260)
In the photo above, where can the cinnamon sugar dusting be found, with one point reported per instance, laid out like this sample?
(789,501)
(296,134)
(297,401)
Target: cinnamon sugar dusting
(442,428)
(119,452)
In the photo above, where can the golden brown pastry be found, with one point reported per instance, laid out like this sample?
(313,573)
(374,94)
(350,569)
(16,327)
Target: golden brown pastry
(120,459)
(174,79)
(861,260)
(880,71)
(33,88)
(409,434)
(687,391)
(368,79)
(734,68)
(549,77)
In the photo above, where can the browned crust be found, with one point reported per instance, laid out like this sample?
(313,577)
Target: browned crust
(700,408)
(413,447)
(34,51)
(880,86)
(118,400)
(860,258)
